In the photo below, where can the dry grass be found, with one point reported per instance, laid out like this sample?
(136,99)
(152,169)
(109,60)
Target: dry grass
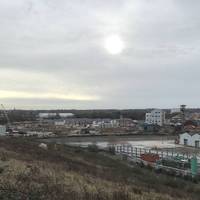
(72,173)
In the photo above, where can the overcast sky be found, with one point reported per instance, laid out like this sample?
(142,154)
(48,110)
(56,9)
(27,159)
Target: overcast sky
(53,54)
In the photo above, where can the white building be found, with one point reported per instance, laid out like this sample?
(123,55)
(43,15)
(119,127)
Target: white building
(190,139)
(2,130)
(38,134)
(59,122)
(156,116)
(175,110)
(53,115)
(66,115)
(47,115)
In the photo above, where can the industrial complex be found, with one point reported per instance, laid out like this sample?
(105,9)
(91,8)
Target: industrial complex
(183,159)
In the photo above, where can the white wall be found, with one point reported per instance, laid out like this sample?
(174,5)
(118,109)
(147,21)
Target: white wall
(195,137)
(190,138)
(185,136)
(2,130)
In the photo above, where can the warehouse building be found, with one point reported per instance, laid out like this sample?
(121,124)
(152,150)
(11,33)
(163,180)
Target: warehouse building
(190,139)
(55,115)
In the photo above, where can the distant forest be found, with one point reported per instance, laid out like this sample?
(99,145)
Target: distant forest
(31,115)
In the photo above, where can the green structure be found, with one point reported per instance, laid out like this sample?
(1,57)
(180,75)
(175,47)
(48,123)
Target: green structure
(194,166)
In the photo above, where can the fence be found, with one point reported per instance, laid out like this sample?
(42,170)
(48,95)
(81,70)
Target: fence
(136,152)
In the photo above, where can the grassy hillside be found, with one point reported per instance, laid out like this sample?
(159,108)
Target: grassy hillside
(29,172)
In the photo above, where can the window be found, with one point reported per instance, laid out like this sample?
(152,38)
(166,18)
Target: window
(185,141)
(197,144)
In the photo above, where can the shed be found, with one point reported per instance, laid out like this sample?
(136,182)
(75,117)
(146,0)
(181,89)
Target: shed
(185,139)
(190,139)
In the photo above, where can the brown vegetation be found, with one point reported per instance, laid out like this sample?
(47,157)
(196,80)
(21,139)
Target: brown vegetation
(61,172)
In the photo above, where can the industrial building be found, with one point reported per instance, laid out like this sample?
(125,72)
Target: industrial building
(162,160)
(156,117)
(60,122)
(190,139)
(47,115)
(55,115)
(65,115)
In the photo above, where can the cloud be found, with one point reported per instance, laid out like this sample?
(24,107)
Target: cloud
(4,94)
(52,49)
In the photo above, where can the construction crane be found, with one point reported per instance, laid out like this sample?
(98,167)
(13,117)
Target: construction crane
(6,115)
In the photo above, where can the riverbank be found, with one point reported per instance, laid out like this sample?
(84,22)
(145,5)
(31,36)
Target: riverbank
(140,141)
(62,172)
(110,138)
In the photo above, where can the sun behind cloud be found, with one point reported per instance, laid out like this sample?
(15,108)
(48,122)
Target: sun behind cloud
(114,44)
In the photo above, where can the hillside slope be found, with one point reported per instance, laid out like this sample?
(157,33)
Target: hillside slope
(61,172)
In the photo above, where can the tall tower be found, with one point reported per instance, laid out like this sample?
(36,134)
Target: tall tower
(182,109)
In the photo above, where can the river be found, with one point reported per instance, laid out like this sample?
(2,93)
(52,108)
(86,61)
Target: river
(142,141)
